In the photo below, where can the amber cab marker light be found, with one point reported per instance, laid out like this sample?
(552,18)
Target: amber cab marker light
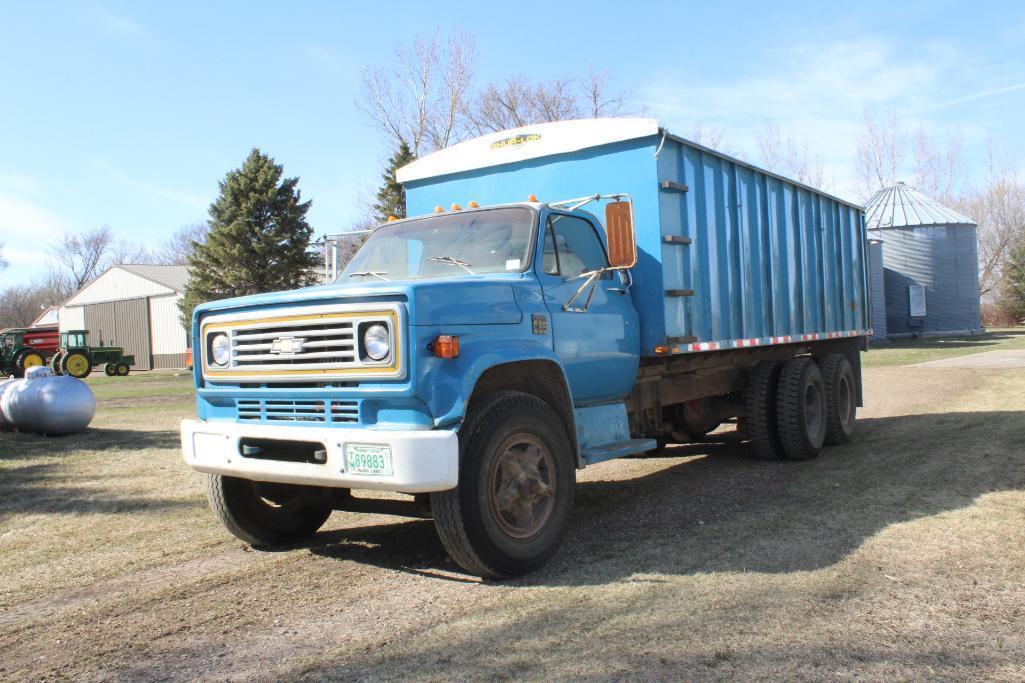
(456,207)
(473,205)
(392,218)
(531,197)
(439,209)
(445,346)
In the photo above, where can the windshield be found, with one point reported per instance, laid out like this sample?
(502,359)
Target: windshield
(489,241)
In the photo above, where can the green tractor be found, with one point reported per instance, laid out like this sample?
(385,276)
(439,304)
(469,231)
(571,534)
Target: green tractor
(16,356)
(76,358)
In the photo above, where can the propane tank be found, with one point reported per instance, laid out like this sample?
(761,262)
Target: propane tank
(6,385)
(45,404)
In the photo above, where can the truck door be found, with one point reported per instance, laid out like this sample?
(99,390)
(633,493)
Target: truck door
(599,348)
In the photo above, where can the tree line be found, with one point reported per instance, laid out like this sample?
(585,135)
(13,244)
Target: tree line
(257,238)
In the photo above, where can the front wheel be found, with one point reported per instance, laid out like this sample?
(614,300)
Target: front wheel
(264,514)
(511,507)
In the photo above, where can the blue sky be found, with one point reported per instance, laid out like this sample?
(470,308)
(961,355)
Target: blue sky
(127,114)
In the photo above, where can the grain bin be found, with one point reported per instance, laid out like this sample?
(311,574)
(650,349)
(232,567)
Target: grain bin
(930,261)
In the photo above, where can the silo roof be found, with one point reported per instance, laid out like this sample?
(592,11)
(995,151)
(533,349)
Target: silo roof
(902,206)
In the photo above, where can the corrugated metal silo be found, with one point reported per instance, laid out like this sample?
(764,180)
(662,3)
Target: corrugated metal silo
(877,289)
(931,263)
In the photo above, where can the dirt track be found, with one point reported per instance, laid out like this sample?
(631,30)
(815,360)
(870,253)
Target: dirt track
(897,556)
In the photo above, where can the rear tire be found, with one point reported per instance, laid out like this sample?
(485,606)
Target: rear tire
(76,364)
(760,400)
(26,359)
(263,514)
(511,507)
(801,409)
(841,399)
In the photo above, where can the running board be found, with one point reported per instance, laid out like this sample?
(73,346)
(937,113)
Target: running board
(617,449)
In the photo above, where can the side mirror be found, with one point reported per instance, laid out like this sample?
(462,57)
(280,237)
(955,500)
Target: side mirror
(619,227)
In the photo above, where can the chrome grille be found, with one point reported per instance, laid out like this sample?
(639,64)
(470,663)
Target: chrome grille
(301,410)
(299,345)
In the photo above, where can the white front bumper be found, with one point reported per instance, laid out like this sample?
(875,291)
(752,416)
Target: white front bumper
(422,461)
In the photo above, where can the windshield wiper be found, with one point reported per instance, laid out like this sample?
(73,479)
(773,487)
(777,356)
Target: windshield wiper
(453,260)
(365,273)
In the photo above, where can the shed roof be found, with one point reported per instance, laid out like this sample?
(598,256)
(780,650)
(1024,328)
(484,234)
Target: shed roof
(903,206)
(173,277)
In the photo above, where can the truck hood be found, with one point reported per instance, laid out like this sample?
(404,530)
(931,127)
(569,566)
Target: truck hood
(464,300)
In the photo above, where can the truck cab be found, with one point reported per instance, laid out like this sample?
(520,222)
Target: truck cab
(473,358)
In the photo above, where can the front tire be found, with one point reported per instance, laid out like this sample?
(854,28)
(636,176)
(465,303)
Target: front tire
(511,507)
(264,514)
(801,409)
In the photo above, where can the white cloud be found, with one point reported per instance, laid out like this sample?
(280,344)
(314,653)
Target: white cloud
(170,194)
(976,96)
(26,230)
(120,25)
(817,92)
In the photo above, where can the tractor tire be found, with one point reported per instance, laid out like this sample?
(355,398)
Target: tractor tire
(841,399)
(511,507)
(760,404)
(263,514)
(109,369)
(122,369)
(801,409)
(27,358)
(76,364)
(55,363)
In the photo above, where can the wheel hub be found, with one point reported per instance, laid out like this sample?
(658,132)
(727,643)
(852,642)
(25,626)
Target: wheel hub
(522,491)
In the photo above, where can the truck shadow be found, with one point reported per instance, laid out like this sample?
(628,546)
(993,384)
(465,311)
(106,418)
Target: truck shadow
(719,510)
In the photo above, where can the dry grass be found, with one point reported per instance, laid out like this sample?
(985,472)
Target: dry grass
(897,557)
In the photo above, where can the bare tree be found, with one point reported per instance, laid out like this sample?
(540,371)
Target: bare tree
(20,305)
(999,209)
(709,136)
(785,155)
(938,165)
(879,152)
(518,102)
(420,98)
(83,255)
(177,248)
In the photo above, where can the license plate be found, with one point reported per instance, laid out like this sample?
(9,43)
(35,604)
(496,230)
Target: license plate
(367,459)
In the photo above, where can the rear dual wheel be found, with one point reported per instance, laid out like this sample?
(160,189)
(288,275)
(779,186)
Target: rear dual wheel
(116,369)
(793,407)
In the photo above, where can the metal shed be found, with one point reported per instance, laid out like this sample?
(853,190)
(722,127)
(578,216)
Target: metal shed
(134,306)
(930,263)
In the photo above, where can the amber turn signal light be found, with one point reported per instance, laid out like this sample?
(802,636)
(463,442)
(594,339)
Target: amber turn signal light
(439,209)
(445,346)
(473,205)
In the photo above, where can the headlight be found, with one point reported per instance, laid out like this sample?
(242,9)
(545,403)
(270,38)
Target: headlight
(376,342)
(220,349)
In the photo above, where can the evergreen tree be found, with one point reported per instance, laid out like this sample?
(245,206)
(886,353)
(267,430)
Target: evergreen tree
(1011,292)
(391,198)
(258,241)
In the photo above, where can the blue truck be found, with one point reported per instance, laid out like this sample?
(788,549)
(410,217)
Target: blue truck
(564,294)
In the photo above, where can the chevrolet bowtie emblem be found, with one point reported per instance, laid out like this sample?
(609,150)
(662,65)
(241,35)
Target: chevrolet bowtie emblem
(287,346)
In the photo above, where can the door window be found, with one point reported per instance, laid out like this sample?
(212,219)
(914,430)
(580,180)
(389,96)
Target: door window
(571,247)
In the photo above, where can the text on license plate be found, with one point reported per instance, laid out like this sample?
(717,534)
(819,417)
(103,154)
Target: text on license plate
(367,459)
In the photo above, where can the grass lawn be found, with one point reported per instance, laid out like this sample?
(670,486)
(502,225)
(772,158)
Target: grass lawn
(911,351)
(895,557)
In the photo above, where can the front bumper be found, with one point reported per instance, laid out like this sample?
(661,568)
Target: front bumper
(422,461)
